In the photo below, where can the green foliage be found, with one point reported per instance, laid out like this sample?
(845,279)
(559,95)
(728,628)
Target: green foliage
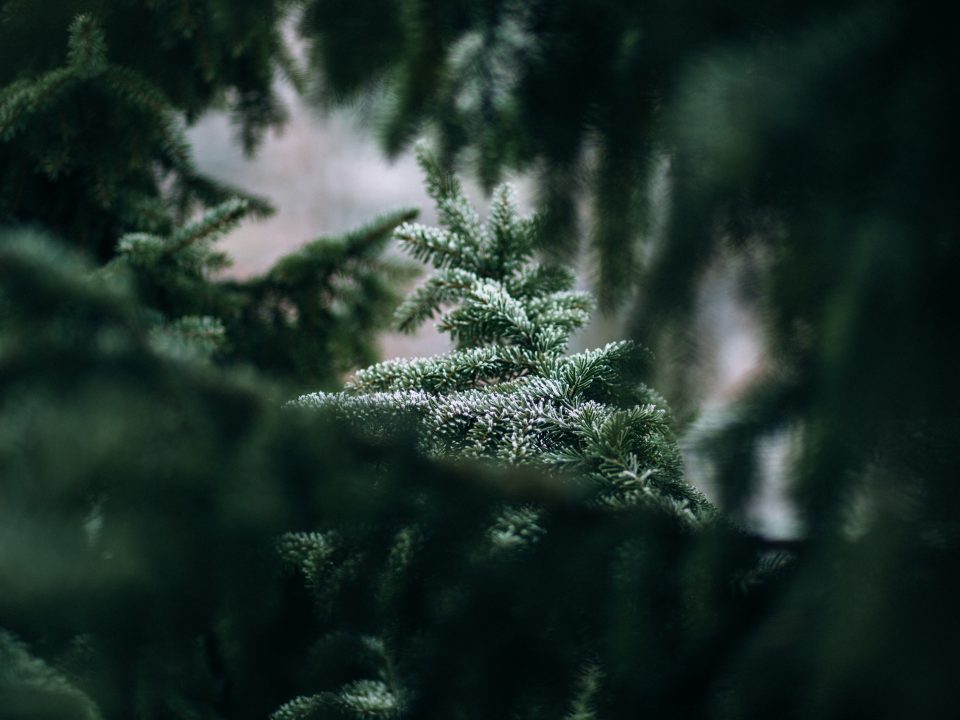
(30,688)
(120,545)
(142,498)
(198,53)
(95,150)
(508,392)
(818,156)
(150,504)
(307,320)
(570,90)
(314,315)
(809,137)
(94,98)
(174,544)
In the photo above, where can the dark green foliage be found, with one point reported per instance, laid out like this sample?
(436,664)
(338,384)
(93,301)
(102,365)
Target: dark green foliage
(824,155)
(816,139)
(91,121)
(149,503)
(30,688)
(307,320)
(437,611)
(131,513)
(140,504)
(572,90)
(198,53)
(314,314)
(814,136)
(94,148)
(173,544)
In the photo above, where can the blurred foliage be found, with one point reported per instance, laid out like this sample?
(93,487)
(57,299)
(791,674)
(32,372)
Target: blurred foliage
(138,499)
(570,90)
(199,54)
(150,506)
(92,147)
(815,138)
(173,543)
(305,322)
(94,96)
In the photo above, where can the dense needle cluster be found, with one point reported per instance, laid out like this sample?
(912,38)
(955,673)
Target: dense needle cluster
(508,392)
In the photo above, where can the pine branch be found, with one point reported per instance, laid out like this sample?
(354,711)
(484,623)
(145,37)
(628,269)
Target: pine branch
(588,685)
(440,248)
(566,310)
(487,315)
(507,393)
(214,224)
(29,687)
(458,370)
(21,99)
(592,369)
(318,260)
(444,287)
(541,280)
(510,244)
(87,47)
(456,213)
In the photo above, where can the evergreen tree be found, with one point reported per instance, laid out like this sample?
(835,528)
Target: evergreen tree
(200,54)
(813,138)
(91,148)
(150,503)
(133,512)
(95,150)
(810,137)
(143,493)
(449,606)
(306,321)
(150,500)
(508,392)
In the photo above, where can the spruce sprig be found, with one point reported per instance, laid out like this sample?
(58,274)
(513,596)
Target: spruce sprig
(508,392)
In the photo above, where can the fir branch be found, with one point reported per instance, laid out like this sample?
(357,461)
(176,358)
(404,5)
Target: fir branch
(488,315)
(189,337)
(87,47)
(507,393)
(373,237)
(456,213)
(23,98)
(214,224)
(440,248)
(566,310)
(458,370)
(588,685)
(541,280)
(510,246)
(29,686)
(191,186)
(303,707)
(318,261)
(586,371)
(444,287)
(368,699)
